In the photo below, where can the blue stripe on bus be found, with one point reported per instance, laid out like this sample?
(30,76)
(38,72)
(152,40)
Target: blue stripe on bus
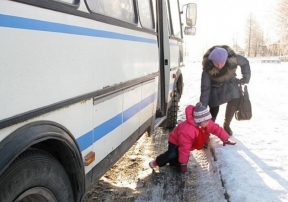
(127,114)
(103,129)
(145,102)
(106,127)
(31,24)
(85,140)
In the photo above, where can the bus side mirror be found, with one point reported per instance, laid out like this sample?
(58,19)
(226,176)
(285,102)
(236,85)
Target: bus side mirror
(190,30)
(191,14)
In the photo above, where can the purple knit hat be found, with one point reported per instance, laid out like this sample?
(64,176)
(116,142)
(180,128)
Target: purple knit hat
(218,55)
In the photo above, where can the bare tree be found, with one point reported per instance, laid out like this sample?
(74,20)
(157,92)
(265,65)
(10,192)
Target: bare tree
(254,36)
(282,19)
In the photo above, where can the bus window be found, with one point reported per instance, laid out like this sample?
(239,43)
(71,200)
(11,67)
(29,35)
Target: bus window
(168,19)
(154,11)
(122,9)
(174,10)
(145,13)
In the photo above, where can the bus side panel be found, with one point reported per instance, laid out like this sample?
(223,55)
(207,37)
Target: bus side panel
(137,109)
(52,57)
(131,111)
(108,119)
(78,61)
(175,62)
(148,101)
(174,56)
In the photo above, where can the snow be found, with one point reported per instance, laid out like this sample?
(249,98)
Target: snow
(256,168)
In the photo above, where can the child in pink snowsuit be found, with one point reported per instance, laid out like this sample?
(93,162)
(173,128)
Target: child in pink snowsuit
(188,135)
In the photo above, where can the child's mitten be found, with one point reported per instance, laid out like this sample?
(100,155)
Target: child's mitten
(184,168)
(228,142)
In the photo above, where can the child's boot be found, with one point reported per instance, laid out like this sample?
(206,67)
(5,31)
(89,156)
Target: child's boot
(153,164)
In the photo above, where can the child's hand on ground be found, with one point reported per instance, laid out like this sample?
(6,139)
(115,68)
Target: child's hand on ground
(228,142)
(184,168)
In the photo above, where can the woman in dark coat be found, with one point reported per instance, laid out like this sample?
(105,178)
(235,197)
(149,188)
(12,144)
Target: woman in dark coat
(219,84)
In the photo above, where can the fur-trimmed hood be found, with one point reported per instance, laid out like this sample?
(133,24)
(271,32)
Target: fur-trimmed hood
(227,72)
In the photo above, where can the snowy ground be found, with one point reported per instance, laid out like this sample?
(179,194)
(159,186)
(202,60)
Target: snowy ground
(255,169)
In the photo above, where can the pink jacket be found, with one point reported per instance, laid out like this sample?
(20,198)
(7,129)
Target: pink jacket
(186,132)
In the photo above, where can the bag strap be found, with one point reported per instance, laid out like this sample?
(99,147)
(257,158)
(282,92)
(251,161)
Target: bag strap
(246,94)
(241,93)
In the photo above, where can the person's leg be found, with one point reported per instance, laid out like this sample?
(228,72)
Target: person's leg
(168,156)
(230,110)
(174,162)
(214,112)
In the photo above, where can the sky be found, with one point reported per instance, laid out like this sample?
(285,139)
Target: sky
(224,21)
(256,168)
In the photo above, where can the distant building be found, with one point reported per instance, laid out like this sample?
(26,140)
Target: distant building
(274,49)
(262,51)
(278,48)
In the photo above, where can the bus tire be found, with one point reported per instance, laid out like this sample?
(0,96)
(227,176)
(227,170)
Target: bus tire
(35,176)
(172,111)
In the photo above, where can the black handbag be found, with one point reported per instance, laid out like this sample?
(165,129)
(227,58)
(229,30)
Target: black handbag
(244,109)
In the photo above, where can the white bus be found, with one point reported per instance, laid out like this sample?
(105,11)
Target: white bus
(80,82)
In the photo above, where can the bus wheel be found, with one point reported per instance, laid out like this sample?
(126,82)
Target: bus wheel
(172,111)
(35,176)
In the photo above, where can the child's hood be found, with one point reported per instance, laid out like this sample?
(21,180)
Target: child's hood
(189,114)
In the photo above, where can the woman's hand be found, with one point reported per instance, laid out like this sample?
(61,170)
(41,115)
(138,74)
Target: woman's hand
(241,81)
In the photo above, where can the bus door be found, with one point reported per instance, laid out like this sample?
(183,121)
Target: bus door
(164,57)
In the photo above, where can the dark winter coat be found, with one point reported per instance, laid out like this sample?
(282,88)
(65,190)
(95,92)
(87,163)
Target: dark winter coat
(221,86)
(185,134)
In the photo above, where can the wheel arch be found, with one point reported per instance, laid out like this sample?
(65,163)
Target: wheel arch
(52,138)
(172,107)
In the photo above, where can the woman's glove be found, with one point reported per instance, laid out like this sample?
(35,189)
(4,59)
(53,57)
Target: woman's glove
(228,142)
(184,168)
(241,81)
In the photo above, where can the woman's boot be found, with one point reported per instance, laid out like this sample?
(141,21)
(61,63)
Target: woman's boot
(227,128)
(230,110)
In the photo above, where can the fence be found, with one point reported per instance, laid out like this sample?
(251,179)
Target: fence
(272,59)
